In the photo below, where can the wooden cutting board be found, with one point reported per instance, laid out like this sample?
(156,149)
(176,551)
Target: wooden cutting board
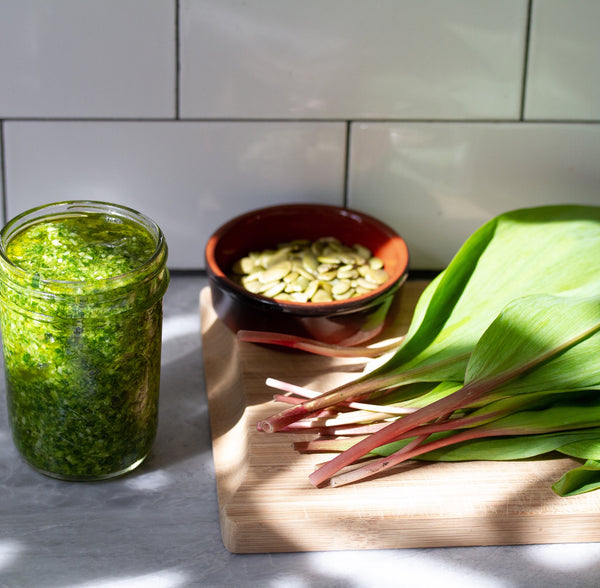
(267,503)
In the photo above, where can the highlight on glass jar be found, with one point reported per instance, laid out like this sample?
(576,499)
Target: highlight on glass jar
(81,289)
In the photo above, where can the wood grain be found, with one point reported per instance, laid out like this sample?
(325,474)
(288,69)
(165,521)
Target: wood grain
(268,505)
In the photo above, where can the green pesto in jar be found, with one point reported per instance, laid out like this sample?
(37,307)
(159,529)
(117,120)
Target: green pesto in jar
(81,316)
(80,249)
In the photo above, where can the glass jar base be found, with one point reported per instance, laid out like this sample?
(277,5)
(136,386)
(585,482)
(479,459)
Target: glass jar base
(92,478)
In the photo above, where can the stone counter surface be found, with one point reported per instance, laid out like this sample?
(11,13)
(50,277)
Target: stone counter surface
(158,527)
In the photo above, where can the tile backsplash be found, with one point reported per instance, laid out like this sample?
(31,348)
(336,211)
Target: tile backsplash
(433,115)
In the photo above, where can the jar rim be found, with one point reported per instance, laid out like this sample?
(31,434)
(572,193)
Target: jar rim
(69,208)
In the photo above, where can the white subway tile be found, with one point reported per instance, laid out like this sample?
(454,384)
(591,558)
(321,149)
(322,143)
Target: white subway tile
(189,177)
(563,80)
(438,182)
(68,58)
(361,59)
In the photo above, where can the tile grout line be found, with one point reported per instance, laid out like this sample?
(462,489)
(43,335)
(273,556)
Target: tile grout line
(525,60)
(177,61)
(346,164)
(391,120)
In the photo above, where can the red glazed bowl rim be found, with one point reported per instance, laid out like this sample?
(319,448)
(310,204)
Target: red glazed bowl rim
(393,251)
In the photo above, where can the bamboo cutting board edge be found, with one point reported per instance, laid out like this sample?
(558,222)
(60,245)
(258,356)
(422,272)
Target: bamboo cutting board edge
(267,504)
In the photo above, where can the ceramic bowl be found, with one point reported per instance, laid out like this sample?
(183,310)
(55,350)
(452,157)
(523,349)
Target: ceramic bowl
(348,322)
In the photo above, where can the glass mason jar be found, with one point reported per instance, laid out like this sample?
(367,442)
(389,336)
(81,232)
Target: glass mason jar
(81,289)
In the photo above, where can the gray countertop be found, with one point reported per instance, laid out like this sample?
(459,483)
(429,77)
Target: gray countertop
(158,527)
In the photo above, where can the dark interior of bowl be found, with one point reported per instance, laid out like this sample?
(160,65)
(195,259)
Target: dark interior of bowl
(267,227)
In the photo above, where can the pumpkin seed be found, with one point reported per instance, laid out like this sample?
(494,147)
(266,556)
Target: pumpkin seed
(276,272)
(325,285)
(347,272)
(274,290)
(359,290)
(328,260)
(277,257)
(299,296)
(365,284)
(311,289)
(321,296)
(362,270)
(310,262)
(375,263)
(300,284)
(243,266)
(340,287)
(328,274)
(376,276)
(305,274)
(265,287)
(253,286)
(362,251)
(305,271)
(291,277)
(344,295)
